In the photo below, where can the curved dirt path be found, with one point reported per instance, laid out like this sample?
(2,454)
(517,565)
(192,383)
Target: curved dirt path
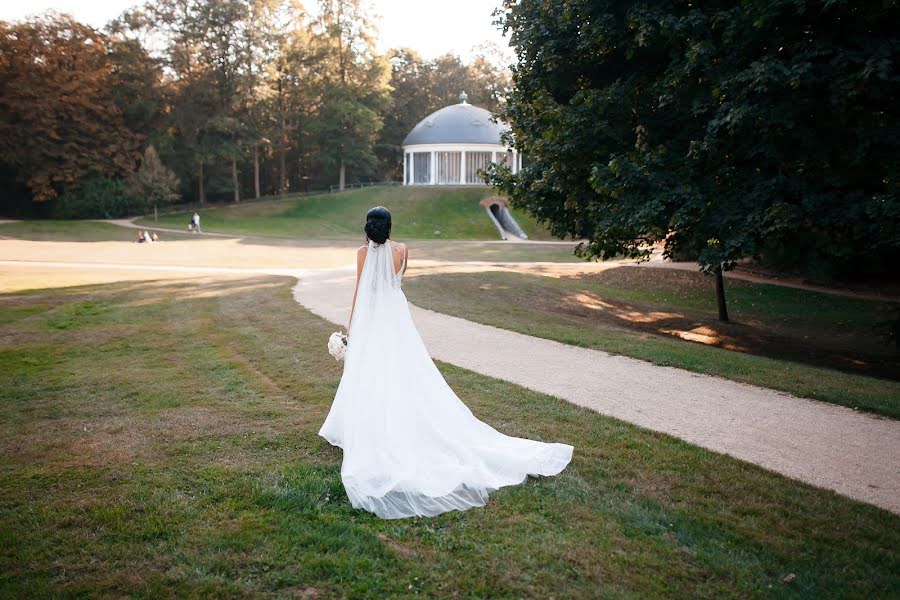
(130,223)
(855,454)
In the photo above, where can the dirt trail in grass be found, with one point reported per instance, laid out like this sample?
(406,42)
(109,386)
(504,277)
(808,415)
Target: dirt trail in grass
(852,453)
(130,223)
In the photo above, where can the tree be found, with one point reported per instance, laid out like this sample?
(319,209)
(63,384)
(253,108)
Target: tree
(296,80)
(352,90)
(719,130)
(59,117)
(177,28)
(153,182)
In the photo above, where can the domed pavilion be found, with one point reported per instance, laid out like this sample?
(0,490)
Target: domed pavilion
(450,146)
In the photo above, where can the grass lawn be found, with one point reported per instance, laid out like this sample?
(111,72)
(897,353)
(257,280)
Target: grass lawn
(492,252)
(418,213)
(810,344)
(75,231)
(159,439)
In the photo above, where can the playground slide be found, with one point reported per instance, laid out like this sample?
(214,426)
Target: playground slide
(503,220)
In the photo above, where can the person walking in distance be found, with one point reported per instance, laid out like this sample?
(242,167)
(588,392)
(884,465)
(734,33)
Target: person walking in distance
(195,220)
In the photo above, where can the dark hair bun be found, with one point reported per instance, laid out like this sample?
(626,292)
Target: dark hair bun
(378,224)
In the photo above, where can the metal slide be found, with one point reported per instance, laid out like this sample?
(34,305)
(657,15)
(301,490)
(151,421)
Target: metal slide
(498,212)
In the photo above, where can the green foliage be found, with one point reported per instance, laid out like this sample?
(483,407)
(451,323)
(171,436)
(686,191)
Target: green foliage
(353,82)
(723,130)
(154,183)
(345,134)
(99,198)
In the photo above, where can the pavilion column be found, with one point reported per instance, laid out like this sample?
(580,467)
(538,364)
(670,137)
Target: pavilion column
(405,161)
(462,167)
(432,169)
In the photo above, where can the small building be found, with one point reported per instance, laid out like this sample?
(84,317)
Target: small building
(450,146)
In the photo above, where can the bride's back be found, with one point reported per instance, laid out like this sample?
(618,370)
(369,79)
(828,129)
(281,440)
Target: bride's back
(398,250)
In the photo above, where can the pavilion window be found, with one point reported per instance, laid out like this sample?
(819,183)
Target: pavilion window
(448,167)
(421,167)
(475,162)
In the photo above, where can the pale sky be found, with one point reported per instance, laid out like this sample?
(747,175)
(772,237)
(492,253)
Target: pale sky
(432,27)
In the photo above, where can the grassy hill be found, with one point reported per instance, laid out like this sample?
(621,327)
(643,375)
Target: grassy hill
(419,213)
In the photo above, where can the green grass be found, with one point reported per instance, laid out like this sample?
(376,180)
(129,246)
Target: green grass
(806,343)
(491,252)
(444,213)
(159,439)
(74,231)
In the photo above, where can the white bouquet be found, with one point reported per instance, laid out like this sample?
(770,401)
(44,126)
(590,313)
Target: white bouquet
(337,345)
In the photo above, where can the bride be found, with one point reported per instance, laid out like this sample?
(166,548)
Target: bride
(411,447)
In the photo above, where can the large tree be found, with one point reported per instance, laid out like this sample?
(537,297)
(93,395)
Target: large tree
(720,130)
(352,89)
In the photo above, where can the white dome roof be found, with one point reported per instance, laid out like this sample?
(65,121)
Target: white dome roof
(457,124)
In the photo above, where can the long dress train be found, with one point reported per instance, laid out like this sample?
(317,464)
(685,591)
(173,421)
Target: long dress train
(411,447)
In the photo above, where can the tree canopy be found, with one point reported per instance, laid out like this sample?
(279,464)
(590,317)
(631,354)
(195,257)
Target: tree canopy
(63,105)
(721,130)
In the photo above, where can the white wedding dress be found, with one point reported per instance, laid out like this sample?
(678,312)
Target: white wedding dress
(411,447)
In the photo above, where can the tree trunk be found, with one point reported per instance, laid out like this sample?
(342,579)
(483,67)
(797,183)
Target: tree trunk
(282,171)
(201,194)
(282,142)
(341,179)
(720,295)
(234,180)
(256,171)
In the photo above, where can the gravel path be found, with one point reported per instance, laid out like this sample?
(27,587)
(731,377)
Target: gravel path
(852,453)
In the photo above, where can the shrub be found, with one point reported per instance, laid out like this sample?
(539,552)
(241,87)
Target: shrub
(99,198)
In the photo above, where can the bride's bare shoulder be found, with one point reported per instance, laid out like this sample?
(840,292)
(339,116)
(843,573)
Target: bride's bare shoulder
(399,245)
(361,252)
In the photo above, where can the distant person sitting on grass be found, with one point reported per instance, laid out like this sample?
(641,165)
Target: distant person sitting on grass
(148,237)
(140,237)
(154,237)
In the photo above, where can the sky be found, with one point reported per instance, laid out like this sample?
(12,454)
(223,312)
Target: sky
(432,27)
